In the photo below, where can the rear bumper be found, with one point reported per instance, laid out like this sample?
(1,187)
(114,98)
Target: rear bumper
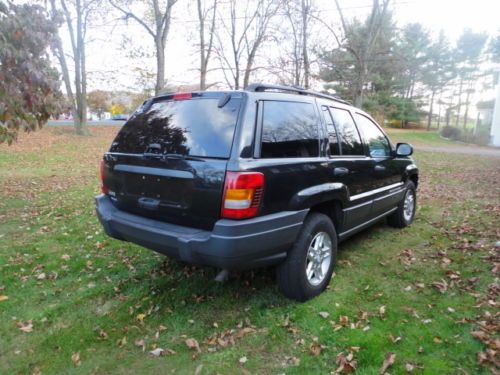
(232,244)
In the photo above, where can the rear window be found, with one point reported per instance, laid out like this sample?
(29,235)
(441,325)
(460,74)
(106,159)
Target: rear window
(289,130)
(194,127)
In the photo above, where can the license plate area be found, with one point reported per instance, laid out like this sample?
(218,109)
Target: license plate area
(163,190)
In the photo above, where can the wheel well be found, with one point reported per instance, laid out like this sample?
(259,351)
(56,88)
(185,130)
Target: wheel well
(333,209)
(414,179)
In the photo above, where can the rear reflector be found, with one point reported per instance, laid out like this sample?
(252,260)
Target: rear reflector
(102,171)
(242,195)
(182,95)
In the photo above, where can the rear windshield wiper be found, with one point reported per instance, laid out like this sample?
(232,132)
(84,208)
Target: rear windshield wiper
(181,156)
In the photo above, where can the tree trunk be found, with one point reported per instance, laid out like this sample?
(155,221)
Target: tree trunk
(160,65)
(305,54)
(429,118)
(439,111)
(459,105)
(248,69)
(203,71)
(466,114)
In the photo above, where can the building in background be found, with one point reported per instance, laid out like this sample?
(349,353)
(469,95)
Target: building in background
(495,124)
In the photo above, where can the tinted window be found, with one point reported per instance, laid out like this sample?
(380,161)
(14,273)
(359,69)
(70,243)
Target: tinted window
(332,132)
(289,130)
(194,127)
(374,138)
(348,134)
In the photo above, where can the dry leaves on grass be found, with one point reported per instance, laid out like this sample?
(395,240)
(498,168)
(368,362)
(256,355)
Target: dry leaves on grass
(389,360)
(243,360)
(346,363)
(193,344)
(75,358)
(160,352)
(3,298)
(25,326)
(228,337)
(315,349)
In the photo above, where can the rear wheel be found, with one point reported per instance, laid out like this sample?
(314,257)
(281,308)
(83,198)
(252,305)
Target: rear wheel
(309,265)
(405,213)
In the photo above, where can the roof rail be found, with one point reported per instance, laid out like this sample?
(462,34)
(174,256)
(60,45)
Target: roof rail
(259,87)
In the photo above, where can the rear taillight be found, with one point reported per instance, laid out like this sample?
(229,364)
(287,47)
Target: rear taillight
(242,195)
(102,169)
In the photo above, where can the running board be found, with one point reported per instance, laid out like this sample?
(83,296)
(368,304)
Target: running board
(350,232)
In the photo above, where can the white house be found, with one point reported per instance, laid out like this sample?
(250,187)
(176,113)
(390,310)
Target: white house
(495,124)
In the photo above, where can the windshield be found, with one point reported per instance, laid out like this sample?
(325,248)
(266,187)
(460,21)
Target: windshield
(196,127)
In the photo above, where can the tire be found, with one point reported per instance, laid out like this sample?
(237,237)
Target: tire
(402,217)
(317,234)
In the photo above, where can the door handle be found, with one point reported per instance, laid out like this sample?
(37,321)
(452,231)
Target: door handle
(340,171)
(379,168)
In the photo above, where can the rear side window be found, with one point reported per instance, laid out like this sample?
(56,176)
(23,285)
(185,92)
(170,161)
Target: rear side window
(350,140)
(289,129)
(333,141)
(376,140)
(196,127)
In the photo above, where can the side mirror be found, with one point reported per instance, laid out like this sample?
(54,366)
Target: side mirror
(404,149)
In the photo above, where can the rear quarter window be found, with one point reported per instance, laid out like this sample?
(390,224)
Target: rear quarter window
(196,127)
(289,129)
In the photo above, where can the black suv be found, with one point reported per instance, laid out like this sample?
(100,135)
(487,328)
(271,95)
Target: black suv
(269,175)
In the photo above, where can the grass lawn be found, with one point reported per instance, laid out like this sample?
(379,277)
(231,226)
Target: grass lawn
(419,137)
(75,301)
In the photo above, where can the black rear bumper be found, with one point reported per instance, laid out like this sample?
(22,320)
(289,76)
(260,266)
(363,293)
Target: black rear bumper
(232,244)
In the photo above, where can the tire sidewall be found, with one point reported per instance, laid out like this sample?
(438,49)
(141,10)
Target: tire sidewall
(409,190)
(319,224)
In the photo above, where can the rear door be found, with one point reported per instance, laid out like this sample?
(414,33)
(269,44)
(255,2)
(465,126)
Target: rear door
(168,162)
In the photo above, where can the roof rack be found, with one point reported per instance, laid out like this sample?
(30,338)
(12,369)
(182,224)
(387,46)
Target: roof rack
(259,87)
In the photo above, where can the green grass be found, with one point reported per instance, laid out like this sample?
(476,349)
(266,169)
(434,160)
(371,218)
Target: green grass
(419,137)
(93,302)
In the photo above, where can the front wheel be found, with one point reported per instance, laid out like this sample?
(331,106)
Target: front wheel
(309,265)
(405,213)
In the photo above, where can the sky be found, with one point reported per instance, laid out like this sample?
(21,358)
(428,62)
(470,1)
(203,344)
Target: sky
(110,66)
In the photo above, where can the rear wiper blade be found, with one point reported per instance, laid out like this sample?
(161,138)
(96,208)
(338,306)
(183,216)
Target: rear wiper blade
(181,157)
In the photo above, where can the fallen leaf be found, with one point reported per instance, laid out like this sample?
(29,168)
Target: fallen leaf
(344,320)
(243,332)
(75,357)
(65,257)
(315,349)
(243,360)
(41,276)
(198,369)
(381,310)
(103,334)
(158,352)
(141,344)
(140,317)
(409,367)
(324,314)
(442,285)
(346,363)
(122,342)
(25,326)
(3,298)
(390,358)
(193,344)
